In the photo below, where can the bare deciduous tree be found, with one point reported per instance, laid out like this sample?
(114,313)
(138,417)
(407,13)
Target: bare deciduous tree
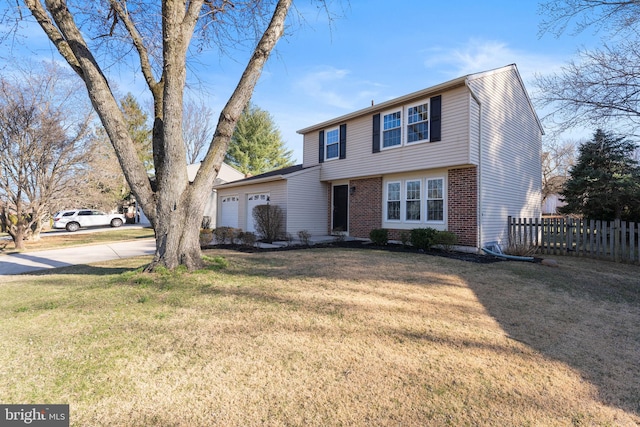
(197,129)
(161,38)
(44,144)
(599,87)
(557,159)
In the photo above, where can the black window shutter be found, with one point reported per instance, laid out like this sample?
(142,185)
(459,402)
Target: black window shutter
(376,133)
(321,146)
(436,112)
(343,141)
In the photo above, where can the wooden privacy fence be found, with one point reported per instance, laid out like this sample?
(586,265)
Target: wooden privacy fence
(616,240)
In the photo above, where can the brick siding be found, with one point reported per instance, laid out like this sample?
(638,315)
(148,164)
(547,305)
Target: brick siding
(463,205)
(365,206)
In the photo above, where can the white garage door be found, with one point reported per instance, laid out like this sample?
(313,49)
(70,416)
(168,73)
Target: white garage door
(253,201)
(229,212)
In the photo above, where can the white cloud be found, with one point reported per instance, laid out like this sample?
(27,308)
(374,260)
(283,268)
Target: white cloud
(335,87)
(480,55)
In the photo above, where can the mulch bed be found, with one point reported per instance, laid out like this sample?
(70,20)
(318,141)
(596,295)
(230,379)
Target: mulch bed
(359,244)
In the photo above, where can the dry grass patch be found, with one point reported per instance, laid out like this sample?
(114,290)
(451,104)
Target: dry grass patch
(327,337)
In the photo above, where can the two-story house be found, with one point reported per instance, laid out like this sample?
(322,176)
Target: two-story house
(459,156)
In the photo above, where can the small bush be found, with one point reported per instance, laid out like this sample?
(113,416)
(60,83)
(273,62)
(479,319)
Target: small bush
(446,239)
(304,237)
(423,238)
(206,236)
(520,249)
(379,236)
(247,238)
(225,234)
(269,222)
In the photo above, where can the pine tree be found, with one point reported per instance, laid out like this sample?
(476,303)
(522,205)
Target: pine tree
(256,146)
(605,182)
(139,129)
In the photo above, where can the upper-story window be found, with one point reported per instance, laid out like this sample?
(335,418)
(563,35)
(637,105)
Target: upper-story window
(418,122)
(392,129)
(333,144)
(409,124)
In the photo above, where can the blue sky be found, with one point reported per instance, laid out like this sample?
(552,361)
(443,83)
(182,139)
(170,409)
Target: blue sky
(380,50)
(375,51)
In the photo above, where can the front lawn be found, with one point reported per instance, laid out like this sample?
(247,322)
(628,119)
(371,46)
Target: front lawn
(327,337)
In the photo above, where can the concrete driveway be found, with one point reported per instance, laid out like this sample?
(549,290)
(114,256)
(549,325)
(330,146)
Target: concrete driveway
(54,258)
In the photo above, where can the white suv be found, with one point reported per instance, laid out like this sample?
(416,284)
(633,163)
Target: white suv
(72,220)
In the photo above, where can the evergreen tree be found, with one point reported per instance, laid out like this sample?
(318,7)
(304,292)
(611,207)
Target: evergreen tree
(256,145)
(605,182)
(139,129)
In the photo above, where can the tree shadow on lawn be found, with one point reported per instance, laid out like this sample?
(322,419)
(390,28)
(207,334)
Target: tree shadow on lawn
(592,324)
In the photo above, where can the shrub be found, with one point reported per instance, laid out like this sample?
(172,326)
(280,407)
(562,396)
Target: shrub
(520,249)
(269,222)
(379,236)
(304,237)
(206,236)
(423,238)
(247,238)
(446,239)
(224,234)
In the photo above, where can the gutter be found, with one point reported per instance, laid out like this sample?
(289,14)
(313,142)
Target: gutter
(479,172)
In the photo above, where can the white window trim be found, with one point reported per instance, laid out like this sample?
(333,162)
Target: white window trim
(403,223)
(386,202)
(405,200)
(326,145)
(406,125)
(426,200)
(386,113)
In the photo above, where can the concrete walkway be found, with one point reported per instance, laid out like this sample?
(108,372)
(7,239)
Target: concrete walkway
(32,261)
(21,263)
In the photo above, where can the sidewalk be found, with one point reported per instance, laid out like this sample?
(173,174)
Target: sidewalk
(40,260)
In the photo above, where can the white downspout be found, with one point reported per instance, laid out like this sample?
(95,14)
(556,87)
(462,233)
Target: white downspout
(479,171)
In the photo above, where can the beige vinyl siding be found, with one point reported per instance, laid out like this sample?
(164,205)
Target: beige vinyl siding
(510,182)
(307,203)
(276,190)
(474,131)
(360,161)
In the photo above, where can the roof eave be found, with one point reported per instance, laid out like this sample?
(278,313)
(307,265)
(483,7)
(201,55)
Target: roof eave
(387,104)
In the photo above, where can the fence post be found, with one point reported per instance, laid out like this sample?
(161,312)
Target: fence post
(509,231)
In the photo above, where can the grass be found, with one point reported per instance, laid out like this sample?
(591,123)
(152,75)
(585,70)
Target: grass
(55,239)
(327,337)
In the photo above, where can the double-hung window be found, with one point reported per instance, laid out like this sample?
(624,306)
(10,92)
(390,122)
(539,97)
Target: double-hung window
(418,123)
(435,199)
(412,200)
(392,129)
(393,201)
(332,145)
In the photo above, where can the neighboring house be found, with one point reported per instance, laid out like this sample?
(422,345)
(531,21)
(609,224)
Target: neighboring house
(459,156)
(551,204)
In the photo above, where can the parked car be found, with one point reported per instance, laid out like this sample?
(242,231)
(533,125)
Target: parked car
(73,219)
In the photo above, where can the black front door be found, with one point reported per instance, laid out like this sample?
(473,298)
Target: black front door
(340,207)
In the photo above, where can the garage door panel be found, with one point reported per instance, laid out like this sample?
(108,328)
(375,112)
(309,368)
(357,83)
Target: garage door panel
(229,211)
